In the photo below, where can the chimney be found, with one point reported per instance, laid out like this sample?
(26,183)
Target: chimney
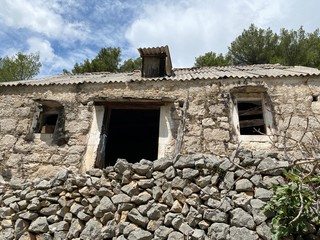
(156,62)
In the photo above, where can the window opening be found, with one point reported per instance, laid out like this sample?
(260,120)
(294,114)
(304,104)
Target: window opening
(315,98)
(131,134)
(251,118)
(49,123)
(47,120)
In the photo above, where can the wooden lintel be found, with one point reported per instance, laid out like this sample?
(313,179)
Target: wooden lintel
(133,101)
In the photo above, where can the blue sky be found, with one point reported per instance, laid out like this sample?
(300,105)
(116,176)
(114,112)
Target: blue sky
(68,31)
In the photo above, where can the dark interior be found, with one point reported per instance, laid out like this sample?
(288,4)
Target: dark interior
(251,118)
(47,124)
(133,135)
(51,119)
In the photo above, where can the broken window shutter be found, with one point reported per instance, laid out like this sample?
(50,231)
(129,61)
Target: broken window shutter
(59,136)
(34,124)
(268,113)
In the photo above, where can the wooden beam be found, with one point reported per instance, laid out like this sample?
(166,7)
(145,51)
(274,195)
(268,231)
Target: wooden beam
(251,123)
(251,111)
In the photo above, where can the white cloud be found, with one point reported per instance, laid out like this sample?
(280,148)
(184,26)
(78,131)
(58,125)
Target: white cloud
(43,47)
(53,63)
(39,17)
(192,28)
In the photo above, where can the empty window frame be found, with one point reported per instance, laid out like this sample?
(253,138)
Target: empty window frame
(252,114)
(251,120)
(49,121)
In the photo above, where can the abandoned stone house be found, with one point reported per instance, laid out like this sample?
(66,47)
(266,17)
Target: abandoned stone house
(85,121)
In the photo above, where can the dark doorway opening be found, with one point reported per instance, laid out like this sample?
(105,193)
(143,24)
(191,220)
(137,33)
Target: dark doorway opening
(132,134)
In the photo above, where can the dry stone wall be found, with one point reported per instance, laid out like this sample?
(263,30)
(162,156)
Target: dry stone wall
(198,196)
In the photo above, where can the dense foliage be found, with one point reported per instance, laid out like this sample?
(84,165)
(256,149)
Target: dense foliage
(19,67)
(131,65)
(262,46)
(253,46)
(211,59)
(107,60)
(295,204)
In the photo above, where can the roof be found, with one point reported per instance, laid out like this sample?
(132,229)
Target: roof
(179,74)
(154,51)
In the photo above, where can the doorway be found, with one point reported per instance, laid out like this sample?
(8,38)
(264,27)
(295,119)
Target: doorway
(131,134)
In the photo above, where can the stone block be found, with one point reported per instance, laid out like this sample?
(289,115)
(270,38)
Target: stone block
(219,231)
(141,198)
(175,235)
(189,173)
(162,164)
(244,185)
(92,230)
(263,194)
(131,189)
(136,218)
(75,229)
(140,234)
(215,215)
(120,198)
(50,210)
(264,231)
(184,162)
(59,226)
(39,225)
(237,233)
(241,218)
(163,232)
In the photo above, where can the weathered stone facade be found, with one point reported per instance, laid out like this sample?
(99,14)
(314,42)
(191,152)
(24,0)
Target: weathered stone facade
(196,197)
(198,116)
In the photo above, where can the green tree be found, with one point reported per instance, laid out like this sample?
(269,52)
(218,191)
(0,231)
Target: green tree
(260,46)
(313,50)
(107,60)
(299,48)
(19,67)
(254,46)
(211,59)
(131,65)
(292,48)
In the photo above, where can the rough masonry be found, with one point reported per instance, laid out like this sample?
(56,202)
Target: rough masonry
(196,197)
(195,115)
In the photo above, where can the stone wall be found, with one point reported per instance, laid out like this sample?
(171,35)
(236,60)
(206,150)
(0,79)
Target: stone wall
(208,122)
(198,196)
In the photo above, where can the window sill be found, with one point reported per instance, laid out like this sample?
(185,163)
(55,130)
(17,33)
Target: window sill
(45,137)
(254,138)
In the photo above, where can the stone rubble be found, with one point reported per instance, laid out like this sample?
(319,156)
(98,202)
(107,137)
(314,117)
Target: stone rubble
(197,197)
